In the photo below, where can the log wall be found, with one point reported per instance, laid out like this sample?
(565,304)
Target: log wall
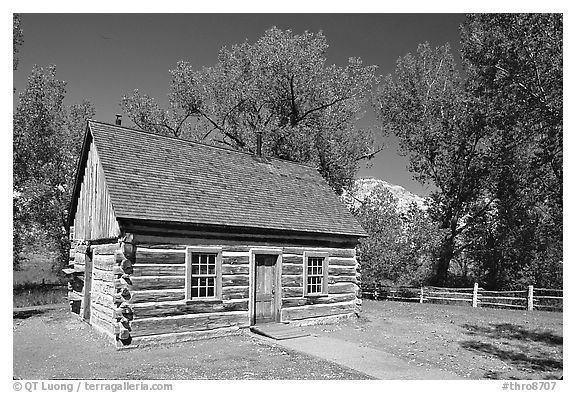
(138,289)
(158,298)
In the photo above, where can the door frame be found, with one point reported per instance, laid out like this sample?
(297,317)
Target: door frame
(277,283)
(87,288)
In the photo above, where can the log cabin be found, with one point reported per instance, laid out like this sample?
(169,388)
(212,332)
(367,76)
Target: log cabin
(173,240)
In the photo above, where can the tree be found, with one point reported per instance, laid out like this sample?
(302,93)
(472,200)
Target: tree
(514,63)
(47,139)
(17,38)
(279,86)
(398,249)
(426,106)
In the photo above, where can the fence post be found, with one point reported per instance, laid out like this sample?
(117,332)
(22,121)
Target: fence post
(421,294)
(475,295)
(530,297)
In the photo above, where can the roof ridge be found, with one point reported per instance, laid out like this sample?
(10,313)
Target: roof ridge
(202,144)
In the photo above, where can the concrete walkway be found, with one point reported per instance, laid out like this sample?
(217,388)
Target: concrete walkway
(370,361)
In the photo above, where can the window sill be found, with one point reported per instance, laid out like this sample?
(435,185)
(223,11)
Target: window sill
(317,295)
(207,300)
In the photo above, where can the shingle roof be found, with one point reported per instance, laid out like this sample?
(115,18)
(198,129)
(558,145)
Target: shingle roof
(159,178)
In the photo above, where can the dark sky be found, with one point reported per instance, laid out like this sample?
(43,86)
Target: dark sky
(103,56)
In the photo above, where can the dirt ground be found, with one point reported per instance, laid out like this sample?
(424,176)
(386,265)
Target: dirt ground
(472,343)
(475,343)
(57,345)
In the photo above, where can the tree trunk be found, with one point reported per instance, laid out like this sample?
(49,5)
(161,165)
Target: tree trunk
(442,265)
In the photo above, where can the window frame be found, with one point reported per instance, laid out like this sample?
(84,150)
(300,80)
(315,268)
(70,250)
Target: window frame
(316,254)
(217,276)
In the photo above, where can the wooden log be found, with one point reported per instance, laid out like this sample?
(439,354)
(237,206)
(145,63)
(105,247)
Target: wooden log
(103,286)
(155,256)
(288,292)
(119,256)
(127,238)
(332,252)
(236,248)
(177,338)
(124,313)
(163,246)
(292,281)
(236,280)
(337,279)
(158,282)
(303,301)
(317,310)
(291,269)
(128,250)
(153,295)
(235,259)
(121,296)
(159,309)
(104,262)
(80,259)
(159,270)
(341,271)
(188,323)
(105,249)
(105,313)
(105,324)
(351,262)
(100,274)
(230,293)
(342,288)
(235,269)
(103,299)
(293,259)
(124,282)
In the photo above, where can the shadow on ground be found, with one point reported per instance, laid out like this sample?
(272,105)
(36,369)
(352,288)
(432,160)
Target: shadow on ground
(532,350)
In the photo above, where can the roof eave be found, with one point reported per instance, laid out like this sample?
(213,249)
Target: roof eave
(134,224)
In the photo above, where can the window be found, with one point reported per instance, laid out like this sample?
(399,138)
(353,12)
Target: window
(315,273)
(203,273)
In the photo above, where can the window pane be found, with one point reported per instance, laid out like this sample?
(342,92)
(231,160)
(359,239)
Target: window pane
(202,291)
(194,292)
(195,258)
(210,291)
(195,269)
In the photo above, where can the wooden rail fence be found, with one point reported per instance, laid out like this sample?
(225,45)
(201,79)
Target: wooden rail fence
(529,299)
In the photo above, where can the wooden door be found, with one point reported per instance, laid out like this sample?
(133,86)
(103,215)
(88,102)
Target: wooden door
(265,288)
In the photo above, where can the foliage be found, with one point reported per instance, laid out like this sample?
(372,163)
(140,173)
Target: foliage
(17,38)
(279,86)
(426,107)
(514,64)
(398,248)
(489,139)
(47,138)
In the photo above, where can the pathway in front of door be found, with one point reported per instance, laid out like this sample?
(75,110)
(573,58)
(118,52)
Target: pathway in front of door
(370,361)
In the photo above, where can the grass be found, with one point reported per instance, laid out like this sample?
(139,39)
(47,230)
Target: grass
(35,282)
(57,345)
(476,343)
(36,295)
(36,267)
